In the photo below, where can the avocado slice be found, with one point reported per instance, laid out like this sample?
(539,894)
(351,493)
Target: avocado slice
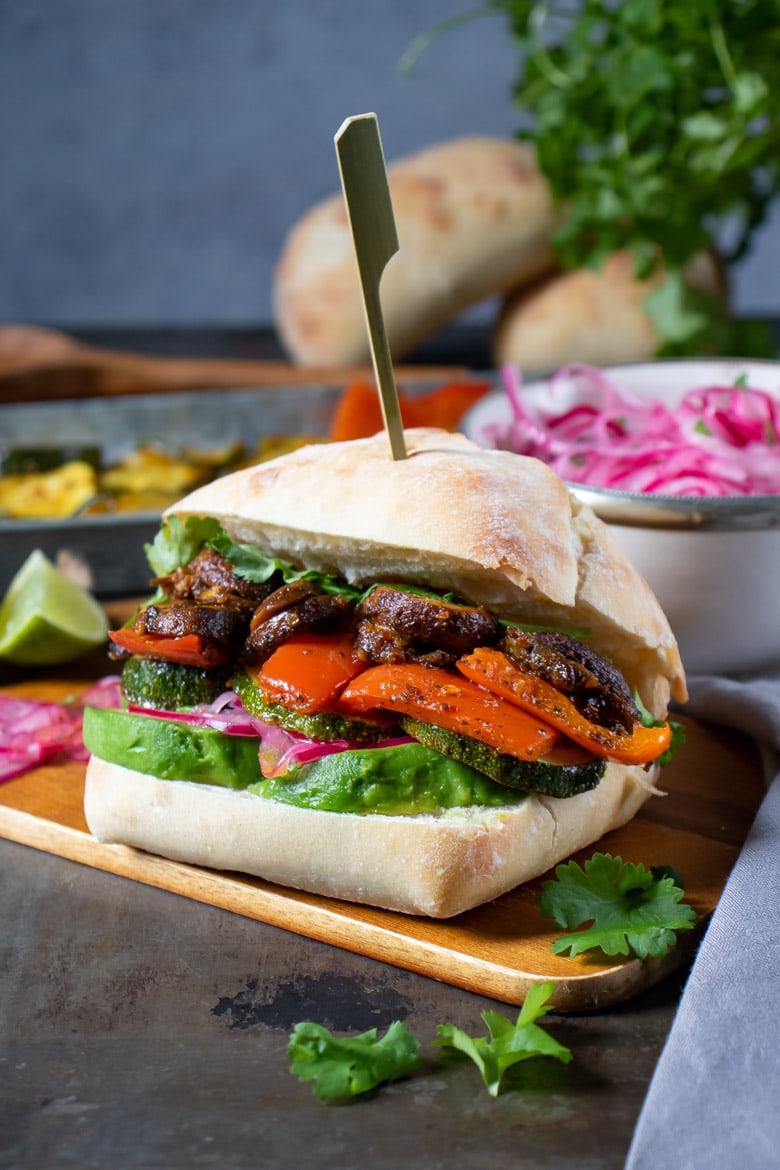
(172,750)
(405,779)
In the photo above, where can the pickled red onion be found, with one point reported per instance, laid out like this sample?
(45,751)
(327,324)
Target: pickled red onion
(32,732)
(278,749)
(299,750)
(719,441)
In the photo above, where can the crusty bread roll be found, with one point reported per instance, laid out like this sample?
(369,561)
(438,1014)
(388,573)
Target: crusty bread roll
(496,528)
(435,866)
(588,315)
(474,219)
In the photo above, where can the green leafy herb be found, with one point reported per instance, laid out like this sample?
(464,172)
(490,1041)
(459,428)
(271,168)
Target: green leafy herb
(678,730)
(509,1043)
(347,1066)
(658,129)
(177,542)
(253,564)
(631,909)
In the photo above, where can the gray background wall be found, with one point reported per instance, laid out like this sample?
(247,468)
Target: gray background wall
(153,153)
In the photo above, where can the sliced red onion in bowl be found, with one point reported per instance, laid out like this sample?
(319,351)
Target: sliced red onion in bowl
(719,440)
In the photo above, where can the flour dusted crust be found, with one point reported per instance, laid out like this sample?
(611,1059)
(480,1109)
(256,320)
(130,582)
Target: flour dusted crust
(496,528)
(474,218)
(426,865)
(588,315)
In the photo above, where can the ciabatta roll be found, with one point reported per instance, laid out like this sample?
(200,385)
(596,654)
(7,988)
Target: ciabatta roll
(443,567)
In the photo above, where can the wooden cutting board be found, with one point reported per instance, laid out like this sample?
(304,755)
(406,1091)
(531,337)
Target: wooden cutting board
(498,950)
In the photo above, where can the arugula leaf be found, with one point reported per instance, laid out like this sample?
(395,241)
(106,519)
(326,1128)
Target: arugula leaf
(658,131)
(632,909)
(509,1043)
(347,1066)
(678,739)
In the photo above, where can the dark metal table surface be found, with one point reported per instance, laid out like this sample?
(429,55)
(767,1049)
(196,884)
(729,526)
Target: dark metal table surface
(140,1029)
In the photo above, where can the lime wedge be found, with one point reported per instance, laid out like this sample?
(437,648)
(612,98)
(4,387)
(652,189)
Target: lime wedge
(46,619)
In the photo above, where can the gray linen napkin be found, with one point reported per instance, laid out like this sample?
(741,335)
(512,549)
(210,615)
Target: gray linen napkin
(714,1100)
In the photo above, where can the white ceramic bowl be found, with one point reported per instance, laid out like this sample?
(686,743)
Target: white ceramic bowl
(714,562)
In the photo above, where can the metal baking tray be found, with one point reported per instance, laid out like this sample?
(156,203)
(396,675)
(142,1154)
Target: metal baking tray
(111,546)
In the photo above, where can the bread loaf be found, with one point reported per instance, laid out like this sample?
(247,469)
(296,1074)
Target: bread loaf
(474,219)
(596,316)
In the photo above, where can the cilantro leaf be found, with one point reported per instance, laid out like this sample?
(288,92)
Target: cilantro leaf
(674,308)
(631,909)
(246,560)
(509,1043)
(178,542)
(347,1066)
(678,730)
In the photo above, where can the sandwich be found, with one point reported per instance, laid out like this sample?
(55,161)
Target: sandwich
(411,683)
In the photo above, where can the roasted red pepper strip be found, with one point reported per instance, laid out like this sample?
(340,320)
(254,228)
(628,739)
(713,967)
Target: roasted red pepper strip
(441,697)
(189,649)
(309,671)
(358,412)
(497,672)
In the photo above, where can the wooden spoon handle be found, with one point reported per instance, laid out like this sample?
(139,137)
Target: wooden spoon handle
(39,364)
(112,376)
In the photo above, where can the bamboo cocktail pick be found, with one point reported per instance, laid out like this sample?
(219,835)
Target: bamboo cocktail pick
(371,220)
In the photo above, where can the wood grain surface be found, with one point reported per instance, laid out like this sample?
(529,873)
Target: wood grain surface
(713,789)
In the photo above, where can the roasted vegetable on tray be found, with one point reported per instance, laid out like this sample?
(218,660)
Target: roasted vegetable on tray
(57,482)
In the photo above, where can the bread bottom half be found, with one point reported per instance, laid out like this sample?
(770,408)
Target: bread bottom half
(435,866)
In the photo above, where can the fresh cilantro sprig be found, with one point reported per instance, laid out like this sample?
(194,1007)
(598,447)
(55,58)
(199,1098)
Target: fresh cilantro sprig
(177,542)
(347,1066)
(508,1043)
(658,130)
(631,909)
(343,1067)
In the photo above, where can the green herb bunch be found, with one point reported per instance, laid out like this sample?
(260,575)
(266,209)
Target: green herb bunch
(657,126)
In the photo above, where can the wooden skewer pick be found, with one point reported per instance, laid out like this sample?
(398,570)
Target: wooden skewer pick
(371,219)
